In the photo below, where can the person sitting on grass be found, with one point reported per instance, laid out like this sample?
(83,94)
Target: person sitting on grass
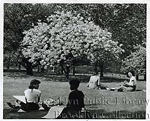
(131,85)
(94,82)
(76,97)
(32,97)
(75,103)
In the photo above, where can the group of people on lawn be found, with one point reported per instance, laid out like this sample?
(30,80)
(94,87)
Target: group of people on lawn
(76,97)
(32,96)
(130,85)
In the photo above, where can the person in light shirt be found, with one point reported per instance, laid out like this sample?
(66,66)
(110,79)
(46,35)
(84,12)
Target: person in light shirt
(32,97)
(131,85)
(94,82)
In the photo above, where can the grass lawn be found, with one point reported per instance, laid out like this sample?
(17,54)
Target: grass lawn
(100,103)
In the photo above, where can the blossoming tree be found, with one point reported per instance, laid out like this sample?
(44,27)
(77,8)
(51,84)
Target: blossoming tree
(65,36)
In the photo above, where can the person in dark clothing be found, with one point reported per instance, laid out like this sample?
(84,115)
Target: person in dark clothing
(75,105)
(76,97)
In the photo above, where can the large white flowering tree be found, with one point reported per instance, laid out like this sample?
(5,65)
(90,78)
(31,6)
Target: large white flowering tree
(65,36)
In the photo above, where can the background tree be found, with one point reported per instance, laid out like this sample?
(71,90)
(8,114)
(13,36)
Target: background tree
(136,61)
(126,22)
(18,18)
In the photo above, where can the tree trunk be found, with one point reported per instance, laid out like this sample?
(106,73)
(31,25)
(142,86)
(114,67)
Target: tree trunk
(73,70)
(62,67)
(61,70)
(137,77)
(19,66)
(95,67)
(67,72)
(8,65)
(27,65)
(102,69)
(38,68)
(145,77)
(42,69)
(65,69)
(29,70)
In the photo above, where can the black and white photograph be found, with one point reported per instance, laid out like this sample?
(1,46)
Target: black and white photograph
(75,61)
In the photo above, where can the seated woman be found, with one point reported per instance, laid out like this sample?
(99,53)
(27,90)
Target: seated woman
(32,97)
(131,85)
(94,82)
(75,103)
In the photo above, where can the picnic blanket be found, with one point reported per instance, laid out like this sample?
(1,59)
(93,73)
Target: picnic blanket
(54,112)
(20,98)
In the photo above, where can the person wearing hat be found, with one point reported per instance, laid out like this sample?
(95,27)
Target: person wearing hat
(32,97)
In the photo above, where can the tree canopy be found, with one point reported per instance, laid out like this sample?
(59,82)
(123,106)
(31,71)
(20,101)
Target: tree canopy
(67,33)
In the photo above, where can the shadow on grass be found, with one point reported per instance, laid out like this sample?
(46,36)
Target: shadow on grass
(94,114)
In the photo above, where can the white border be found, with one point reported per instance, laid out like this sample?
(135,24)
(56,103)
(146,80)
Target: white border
(1,60)
(74,1)
(148,59)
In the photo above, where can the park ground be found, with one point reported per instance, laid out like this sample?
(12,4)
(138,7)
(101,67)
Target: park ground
(101,104)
